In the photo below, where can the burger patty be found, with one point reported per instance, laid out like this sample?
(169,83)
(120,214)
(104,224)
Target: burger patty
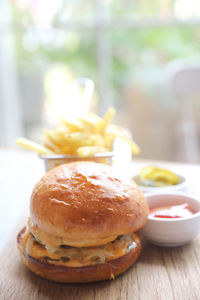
(77,257)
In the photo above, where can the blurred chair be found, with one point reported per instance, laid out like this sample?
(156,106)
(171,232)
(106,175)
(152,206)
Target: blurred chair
(148,122)
(183,79)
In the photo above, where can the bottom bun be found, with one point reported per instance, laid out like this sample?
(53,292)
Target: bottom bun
(91,273)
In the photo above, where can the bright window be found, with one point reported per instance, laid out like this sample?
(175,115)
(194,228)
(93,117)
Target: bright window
(123,46)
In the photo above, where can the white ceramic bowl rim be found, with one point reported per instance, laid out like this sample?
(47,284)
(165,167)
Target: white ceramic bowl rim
(170,194)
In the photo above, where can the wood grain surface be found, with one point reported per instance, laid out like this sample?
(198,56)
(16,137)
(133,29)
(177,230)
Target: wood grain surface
(159,273)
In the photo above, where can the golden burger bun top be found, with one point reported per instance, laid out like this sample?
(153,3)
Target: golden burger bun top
(84,204)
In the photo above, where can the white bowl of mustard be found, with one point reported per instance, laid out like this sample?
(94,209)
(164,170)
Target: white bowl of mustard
(182,186)
(153,179)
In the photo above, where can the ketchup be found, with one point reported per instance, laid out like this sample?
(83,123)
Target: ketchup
(175,211)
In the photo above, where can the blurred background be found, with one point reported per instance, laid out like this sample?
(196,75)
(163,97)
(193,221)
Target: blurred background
(143,56)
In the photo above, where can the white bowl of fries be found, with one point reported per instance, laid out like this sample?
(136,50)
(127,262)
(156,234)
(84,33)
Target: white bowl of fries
(88,137)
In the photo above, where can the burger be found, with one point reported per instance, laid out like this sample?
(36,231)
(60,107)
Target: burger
(83,225)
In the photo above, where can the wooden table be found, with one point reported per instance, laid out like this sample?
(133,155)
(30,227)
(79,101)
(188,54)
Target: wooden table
(159,273)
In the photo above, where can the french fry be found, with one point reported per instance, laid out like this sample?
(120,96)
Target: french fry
(84,136)
(51,146)
(88,151)
(32,146)
(108,141)
(72,125)
(55,137)
(91,123)
(116,132)
(67,150)
(107,119)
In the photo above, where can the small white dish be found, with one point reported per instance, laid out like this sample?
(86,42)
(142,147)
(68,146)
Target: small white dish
(182,186)
(172,232)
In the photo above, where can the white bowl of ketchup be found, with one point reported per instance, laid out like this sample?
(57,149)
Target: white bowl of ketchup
(174,219)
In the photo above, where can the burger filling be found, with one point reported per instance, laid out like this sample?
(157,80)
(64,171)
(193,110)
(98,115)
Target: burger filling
(77,257)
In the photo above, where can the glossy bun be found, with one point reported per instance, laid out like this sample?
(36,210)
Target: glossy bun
(85,204)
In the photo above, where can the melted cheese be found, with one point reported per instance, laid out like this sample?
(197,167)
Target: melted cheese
(55,240)
(78,257)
